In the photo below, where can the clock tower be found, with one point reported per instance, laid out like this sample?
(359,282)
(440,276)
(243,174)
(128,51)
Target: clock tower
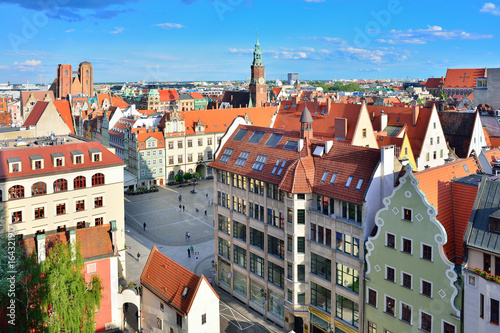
(258,86)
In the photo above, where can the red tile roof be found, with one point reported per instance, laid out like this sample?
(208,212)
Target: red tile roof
(108,159)
(436,185)
(118,101)
(434,82)
(38,94)
(102,97)
(35,114)
(141,137)
(167,280)
(64,110)
(168,95)
(463,78)
(196,95)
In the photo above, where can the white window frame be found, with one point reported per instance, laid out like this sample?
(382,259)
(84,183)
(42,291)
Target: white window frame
(411,277)
(422,287)
(402,245)
(395,305)
(91,268)
(403,214)
(395,274)
(420,319)
(395,240)
(401,312)
(368,297)
(422,251)
(444,321)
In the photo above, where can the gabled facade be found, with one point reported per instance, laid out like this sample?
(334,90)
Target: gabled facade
(410,284)
(463,132)
(176,300)
(51,117)
(30,98)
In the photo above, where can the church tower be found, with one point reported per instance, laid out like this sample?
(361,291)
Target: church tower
(258,86)
(86,76)
(64,77)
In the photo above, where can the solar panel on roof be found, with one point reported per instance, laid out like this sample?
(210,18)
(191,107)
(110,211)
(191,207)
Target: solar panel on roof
(290,145)
(256,136)
(274,139)
(240,135)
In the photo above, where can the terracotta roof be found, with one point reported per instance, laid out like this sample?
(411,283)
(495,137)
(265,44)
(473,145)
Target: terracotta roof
(435,183)
(434,82)
(276,91)
(458,128)
(168,95)
(102,97)
(118,101)
(487,137)
(463,78)
(5,119)
(95,241)
(303,173)
(196,95)
(35,114)
(389,140)
(24,154)
(38,94)
(64,110)
(158,135)
(168,280)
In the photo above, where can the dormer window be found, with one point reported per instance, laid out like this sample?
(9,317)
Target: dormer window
(495,222)
(95,155)
(77,156)
(14,164)
(36,162)
(57,159)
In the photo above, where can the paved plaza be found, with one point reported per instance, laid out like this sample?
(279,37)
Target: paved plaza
(166,227)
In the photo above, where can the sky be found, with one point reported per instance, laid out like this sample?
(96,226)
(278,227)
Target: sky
(210,40)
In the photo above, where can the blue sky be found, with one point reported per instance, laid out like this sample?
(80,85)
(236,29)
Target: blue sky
(173,40)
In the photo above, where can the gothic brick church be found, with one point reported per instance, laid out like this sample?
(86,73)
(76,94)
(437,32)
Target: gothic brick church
(80,84)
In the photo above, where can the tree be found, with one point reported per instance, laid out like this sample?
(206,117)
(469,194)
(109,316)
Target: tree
(178,178)
(197,175)
(188,176)
(70,301)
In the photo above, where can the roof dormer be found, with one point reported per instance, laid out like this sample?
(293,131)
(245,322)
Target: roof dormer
(77,156)
(58,159)
(36,162)
(495,222)
(95,155)
(14,164)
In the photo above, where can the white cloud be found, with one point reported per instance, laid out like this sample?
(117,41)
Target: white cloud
(69,30)
(118,30)
(490,8)
(169,25)
(28,65)
(422,36)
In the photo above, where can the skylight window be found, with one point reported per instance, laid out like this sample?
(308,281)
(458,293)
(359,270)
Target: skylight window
(259,163)
(185,292)
(323,111)
(227,154)
(358,185)
(256,136)
(348,183)
(318,151)
(278,161)
(466,168)
(286,106)
(325,174)
(242,159)
(290,145)
(281,167)
(334,176)
(240,135)
(274,139)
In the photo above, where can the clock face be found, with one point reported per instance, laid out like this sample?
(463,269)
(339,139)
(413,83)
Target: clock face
(261,80)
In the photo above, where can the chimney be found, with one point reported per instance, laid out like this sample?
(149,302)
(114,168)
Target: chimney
(340,129)
(416,110)
(300,145)
(40,247)
(294,100)
(387,170)
(328,105)
(383,120)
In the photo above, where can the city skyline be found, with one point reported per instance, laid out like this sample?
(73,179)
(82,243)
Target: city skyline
(187,40)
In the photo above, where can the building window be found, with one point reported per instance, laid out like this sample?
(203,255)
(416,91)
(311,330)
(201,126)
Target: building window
(372,297)
(275,246)
(60,185)
(276,274)
(426,288)
(407,248)
(390,240)
(427,252)
(347,310)
(190,143)
(98,202)
(16,192)
(170,145)
(486,263)
(448,328)
(364,132)
(407,214)
(61,209)
(179,320)
(80,225)
(425,322)
(406,280)
(348,278)
(289,243)
(79,182)
(98,179)
(38,189)
(240,231)
(289,270)
(390,305)
(17,217)
(99,221)
(179,144)
(256,265)
(372,327)
(301,244)
(240,256)
(321,297)
(224,248)
(257,238)
(301,273)
(390,274)
(38,165)
(224,224)
(80,205)
(321,266)
(494,311)
(406,313)
(301,216)
(200,142)
(204,319)
(39,213)
(481,305)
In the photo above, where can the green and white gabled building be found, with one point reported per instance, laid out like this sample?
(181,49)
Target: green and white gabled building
(410,284)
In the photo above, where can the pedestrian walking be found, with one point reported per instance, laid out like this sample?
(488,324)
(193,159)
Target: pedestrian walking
(192,249)
(189,252)
(205,213)
(206,195)
(183,208)
(144,225)
(186,235)
(138,256)
(189,237)
(180,197)
(180,208)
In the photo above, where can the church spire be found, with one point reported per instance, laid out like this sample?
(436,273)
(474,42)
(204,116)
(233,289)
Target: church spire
(257,54)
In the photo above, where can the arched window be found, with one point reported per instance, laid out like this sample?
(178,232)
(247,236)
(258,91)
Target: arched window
(79,182)
(98,179)
(16,191)
(38,189)
(174,125)
(171,175)
(66,72)
(60,185)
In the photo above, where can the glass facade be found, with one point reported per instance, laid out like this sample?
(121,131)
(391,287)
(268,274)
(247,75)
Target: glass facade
(256,293)
(240,283)
(275,304)
(347,310)
(224,272)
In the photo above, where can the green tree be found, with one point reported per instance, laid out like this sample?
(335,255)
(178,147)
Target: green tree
(196,175)
(188,176)
(70,301)
(178,178)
